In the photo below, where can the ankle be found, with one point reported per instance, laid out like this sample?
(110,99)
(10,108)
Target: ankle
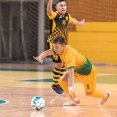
(76,99)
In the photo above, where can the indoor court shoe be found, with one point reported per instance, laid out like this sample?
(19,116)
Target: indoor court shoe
(61,88)
(75,102)
(57,89)
(104,100)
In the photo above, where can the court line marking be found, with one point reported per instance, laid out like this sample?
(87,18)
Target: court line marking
(6,102)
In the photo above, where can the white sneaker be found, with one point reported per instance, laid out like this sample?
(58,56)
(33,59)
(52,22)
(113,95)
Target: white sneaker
(75,102)
(104,100)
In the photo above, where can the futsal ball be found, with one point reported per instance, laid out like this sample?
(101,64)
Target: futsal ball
(37,103)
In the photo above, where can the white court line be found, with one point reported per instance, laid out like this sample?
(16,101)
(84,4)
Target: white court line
(106,74)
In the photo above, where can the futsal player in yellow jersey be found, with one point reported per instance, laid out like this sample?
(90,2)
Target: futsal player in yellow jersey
(78,68)
(58,26)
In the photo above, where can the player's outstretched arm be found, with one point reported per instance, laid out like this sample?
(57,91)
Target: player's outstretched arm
(49,8)
(71,81)
(44,55)
(76,22)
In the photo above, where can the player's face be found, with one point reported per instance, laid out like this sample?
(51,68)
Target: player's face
(61,7)
(58,48)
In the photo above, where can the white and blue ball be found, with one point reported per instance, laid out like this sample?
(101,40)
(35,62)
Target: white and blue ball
(37,103)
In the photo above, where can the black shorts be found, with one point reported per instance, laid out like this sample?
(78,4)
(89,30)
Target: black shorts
(55,57)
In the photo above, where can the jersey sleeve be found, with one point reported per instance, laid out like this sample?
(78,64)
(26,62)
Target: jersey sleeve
(53,15)
(70,19)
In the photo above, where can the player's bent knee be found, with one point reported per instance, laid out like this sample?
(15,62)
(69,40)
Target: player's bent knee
(58,65)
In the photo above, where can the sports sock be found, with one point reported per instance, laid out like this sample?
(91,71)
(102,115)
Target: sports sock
(62,71)
(97,94)
(64,86)
(56,76)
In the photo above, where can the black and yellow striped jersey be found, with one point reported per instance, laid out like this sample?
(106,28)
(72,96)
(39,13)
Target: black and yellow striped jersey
(58,25)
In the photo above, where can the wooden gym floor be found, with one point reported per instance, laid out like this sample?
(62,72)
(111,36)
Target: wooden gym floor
(19,83)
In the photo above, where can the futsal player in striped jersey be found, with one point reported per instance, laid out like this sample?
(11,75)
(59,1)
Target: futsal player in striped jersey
(58,26)
(79,68)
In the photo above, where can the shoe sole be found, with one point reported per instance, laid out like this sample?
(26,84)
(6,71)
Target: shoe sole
(71,105)
(108,93)
(74,103)
(107,98)
(55,91)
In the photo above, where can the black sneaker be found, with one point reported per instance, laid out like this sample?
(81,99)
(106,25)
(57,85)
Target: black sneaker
(57,89)
(61,88)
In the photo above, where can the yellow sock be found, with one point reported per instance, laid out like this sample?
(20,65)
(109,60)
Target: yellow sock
(64,86)
(97,94)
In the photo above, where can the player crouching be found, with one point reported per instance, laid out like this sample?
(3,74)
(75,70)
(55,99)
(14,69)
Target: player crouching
(78,68)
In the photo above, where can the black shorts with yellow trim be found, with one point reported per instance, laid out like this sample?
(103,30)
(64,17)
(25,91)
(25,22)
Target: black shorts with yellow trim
(55,58)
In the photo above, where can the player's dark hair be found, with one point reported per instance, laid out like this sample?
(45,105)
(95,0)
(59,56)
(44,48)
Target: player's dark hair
(57,1)
(60,40)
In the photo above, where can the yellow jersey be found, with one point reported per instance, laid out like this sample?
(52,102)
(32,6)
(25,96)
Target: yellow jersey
(74,59)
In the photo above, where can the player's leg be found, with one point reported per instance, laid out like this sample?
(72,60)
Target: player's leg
(56,76)
(96,93)
(63,82)
(61,73)
(56,72)
(89,83)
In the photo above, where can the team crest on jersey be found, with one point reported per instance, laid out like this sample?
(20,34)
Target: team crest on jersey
(67,18)
(55,57)
(64,22)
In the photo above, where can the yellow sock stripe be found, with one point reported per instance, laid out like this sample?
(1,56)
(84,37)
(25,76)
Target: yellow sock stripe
(61,73)
(62,70)
(55,83)
(55,79)
(56,76)
(56,71)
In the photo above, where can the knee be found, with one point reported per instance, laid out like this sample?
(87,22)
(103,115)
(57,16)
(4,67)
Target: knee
(58,65)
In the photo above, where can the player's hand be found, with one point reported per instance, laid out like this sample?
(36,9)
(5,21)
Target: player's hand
(71,97)
(38,59)
(82,22)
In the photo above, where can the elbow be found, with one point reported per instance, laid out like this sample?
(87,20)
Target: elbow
(49,12)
